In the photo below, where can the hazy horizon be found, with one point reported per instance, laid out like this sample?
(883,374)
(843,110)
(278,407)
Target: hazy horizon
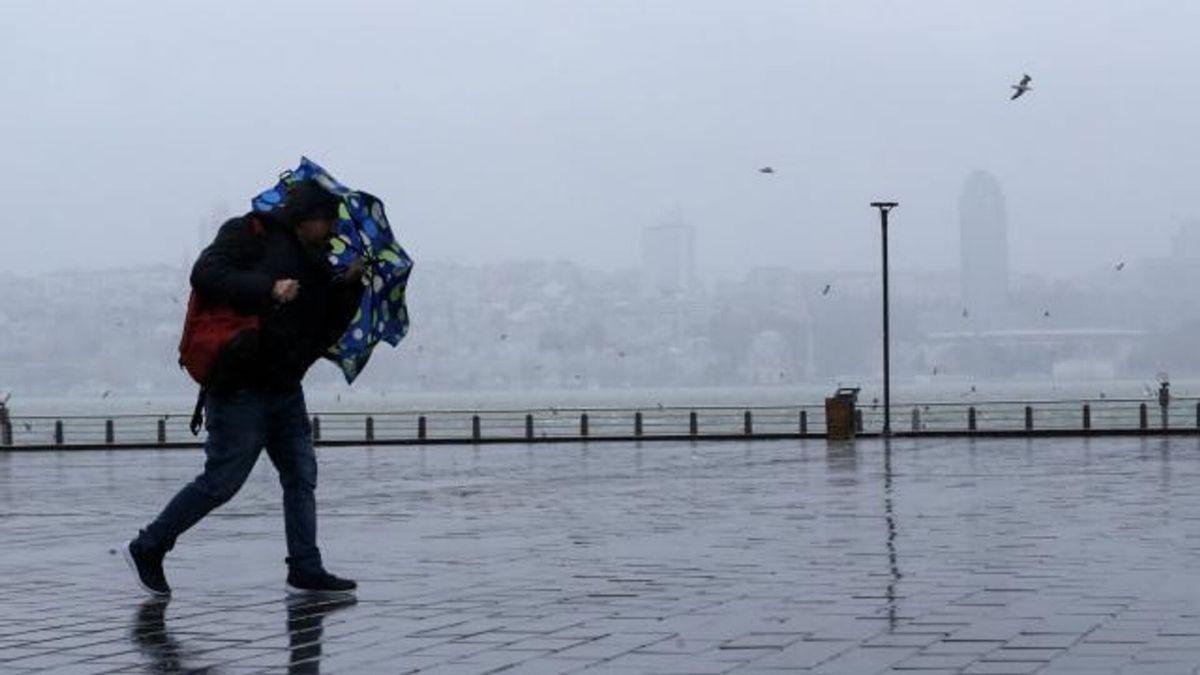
(559,130)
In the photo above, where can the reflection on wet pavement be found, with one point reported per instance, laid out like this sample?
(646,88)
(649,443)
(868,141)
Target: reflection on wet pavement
(972,556)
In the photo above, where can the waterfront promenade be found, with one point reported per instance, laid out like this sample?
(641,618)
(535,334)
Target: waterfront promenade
(986,555)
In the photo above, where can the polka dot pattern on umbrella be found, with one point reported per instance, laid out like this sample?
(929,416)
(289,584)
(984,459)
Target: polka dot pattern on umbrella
(362,232)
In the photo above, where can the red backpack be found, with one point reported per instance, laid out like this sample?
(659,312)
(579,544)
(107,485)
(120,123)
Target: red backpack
(207,329)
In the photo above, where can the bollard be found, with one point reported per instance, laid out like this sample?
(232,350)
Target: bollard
(1028,418)
(422,428)
(971,423)
(858,421)
(162,432)
(693,424)
(1142,423)
(1087,417)
(475,428)
(583,425)
(58,432)
(316,428)
(637,424)
(370,429)
(109,436)
(747,424)
(916,419)
(803,422)
(6,433)
(528,427)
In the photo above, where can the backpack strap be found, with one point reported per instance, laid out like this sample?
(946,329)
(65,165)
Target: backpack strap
(198,412)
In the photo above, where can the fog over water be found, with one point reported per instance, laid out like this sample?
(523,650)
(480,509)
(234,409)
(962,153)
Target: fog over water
(524,150)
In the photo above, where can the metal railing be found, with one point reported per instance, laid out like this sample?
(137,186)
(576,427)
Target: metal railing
(1036,417)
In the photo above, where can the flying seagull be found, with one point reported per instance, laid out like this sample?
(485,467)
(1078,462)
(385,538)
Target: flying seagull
(766,169)
(1120,265)
(825,291)
(1021,87)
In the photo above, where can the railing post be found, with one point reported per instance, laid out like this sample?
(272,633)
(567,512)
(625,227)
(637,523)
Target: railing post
(58,432)
(422,428)
(370,429)
(109,436)
(1087,417)
(858,421)
(1142,421)
(316,428)
(637,424)
(972,423)
(916,419)
(162,431)
(693,424)
(1028,418)
(803,422)
(528,427)
(747,423)
(583,425)
(476,432)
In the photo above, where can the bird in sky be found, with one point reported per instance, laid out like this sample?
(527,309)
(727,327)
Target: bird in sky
(965,313)
(1021,87)
(766,169)
(825,291)
(1120,265)
(1046,313)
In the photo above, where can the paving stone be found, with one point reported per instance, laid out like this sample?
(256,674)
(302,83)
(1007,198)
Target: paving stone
(805,654)
(1003,667)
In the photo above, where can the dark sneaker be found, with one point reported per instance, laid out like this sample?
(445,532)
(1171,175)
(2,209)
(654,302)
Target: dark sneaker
(147,569)
(300,583)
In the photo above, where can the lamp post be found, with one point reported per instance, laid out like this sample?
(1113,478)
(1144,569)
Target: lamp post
(884,207)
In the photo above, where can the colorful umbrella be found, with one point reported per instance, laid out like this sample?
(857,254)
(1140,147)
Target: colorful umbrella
(362,232)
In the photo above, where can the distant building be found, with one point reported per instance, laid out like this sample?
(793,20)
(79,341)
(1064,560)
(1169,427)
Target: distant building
(669,255)
(983,228)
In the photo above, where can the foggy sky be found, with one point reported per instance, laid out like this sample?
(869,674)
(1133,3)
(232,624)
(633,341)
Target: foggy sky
(557,129)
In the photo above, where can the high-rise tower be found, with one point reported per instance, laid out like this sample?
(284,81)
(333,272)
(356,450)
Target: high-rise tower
(669,254)
(983,229)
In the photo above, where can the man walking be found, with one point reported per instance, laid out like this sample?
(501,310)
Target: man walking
(271,265)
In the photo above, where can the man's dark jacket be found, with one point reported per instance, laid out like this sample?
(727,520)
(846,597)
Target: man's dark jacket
(240,269)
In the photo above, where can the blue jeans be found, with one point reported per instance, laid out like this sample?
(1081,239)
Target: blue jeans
(239,425)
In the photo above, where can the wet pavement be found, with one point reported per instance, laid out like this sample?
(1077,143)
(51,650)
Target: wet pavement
(936,556)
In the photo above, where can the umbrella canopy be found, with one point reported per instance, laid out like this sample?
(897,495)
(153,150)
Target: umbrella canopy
(362,232)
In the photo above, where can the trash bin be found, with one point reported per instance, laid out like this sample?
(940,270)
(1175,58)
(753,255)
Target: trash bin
(839,414)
